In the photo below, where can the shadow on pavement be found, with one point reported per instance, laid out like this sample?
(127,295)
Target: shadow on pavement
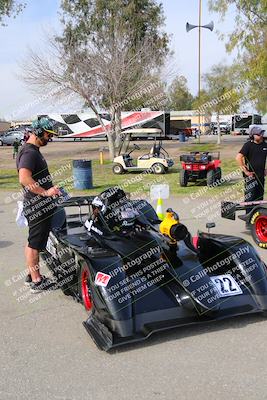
(5,243)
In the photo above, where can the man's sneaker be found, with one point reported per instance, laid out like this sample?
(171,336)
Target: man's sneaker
(42,285)
(28,280)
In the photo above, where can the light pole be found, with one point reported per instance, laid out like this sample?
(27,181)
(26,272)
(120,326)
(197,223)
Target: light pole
(189,27)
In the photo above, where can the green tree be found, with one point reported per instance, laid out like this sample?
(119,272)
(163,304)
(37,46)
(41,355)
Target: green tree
(137,19)
(155,99)
(112,31)
(179,96)
(222,94)
(9,8)
(249,36)
(109,50)
(200,101)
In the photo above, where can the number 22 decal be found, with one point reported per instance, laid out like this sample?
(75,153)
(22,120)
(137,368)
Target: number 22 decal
(226,285)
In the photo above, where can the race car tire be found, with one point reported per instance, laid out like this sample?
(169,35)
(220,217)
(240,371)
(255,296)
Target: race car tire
(258,223)
(210,177)
(158,169)
(218,174)
(84,287)
(118,169)
(184,178)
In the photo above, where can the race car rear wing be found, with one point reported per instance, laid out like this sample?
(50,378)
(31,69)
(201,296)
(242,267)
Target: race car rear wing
(229,209)
(80,202)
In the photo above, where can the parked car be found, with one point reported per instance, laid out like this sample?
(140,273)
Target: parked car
(10,137)
(224,127)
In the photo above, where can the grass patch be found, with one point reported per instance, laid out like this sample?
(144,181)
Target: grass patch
(201,147)
(9,179)
(103,177)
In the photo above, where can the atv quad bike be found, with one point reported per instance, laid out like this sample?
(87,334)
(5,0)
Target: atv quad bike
(157,160)
(200,166)
(256,217)
(135,277)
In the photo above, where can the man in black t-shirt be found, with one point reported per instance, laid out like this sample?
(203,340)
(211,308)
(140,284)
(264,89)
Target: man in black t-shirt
(38,202)
(252,160)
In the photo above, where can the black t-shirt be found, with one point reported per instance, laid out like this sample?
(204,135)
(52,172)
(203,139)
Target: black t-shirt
(30,157)
(255,157)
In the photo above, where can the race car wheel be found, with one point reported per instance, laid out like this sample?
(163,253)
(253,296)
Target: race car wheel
(218,174)
(84,287)
(183,178)
(1,143)
(158,169)
(118,169)
(259,227)
(196,241)
(210,177)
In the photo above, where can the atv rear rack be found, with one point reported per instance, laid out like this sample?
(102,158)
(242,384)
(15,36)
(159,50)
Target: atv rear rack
(199,157)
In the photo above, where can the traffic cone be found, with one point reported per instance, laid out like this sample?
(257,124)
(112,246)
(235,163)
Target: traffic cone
(159,210)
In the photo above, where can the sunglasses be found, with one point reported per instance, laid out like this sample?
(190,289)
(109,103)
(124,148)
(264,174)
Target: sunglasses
(49,134)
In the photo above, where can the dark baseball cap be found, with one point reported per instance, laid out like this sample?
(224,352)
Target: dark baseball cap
(256,130)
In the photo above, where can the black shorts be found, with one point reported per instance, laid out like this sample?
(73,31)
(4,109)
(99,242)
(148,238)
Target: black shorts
(39,221)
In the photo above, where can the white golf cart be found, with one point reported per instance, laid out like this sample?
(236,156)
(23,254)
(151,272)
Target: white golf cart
(156,161)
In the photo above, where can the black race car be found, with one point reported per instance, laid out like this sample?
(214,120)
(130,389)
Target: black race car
(136,277)
(255,218)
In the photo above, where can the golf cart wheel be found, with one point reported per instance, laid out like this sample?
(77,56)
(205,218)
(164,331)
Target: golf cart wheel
(118,169)
(158,169)
(259,227)
(210,177)
(183,178)
(218,174)
(84,287)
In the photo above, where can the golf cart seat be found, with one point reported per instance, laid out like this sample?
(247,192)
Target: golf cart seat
(155,151)
(128,160)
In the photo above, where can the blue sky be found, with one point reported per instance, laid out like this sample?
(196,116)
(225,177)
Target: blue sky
(27,30)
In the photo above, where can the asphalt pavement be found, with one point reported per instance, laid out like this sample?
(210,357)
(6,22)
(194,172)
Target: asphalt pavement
(47,354)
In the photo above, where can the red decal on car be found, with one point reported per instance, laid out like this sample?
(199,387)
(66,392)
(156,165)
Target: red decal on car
(102,279)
